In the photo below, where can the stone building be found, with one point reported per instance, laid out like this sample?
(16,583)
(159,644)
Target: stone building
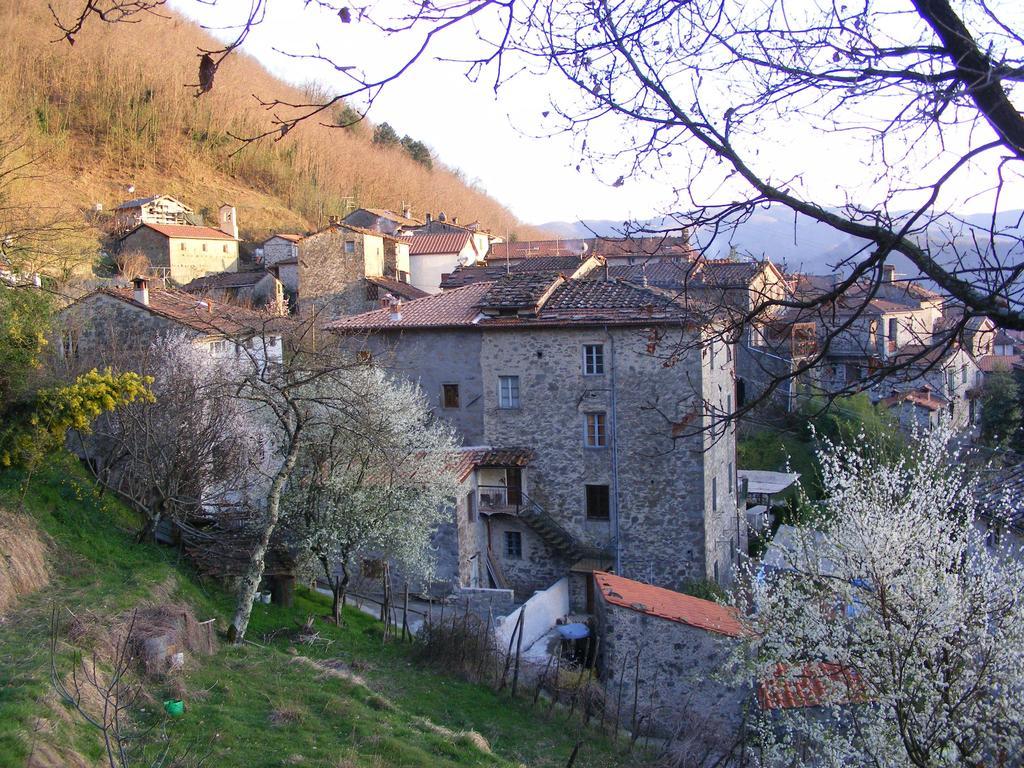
(342,269)
(157,209)
(183,252)
(609,396)
(382,220)
(665,650)
(280,247)
(257,288)
(110,322)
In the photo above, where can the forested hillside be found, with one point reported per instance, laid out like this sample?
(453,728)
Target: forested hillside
(115,110)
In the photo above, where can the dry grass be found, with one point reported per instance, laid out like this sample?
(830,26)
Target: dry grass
(23,566)
(471,738)
(113,110)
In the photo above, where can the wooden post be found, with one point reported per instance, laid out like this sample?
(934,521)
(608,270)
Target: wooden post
(519,648)
(579,680)
(508,653)
(618,703)
(636,692)
(540,682)
(405,614)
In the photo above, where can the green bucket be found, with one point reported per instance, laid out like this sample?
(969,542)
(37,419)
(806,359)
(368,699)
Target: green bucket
(174,707)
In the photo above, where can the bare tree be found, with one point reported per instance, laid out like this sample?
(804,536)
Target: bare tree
(922,95)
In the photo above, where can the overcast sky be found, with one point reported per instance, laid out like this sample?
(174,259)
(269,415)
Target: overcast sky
(497,140)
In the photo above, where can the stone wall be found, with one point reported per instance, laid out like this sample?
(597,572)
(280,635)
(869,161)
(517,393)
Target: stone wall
(677,670)
(278,249)
(331,280)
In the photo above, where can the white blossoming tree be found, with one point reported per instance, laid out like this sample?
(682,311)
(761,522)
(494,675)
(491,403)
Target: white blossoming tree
(379,481)
(895,585)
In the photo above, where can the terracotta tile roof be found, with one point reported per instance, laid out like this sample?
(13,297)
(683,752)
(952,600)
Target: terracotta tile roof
(185,232)
(810,685)
(200,314)
(465,275)
(993,363)
(443,310)
(572,302)
(445,242)
(483,456)
(226,280)
(666,604)
(290,237)
(398,288)
(659,246)
(921,397)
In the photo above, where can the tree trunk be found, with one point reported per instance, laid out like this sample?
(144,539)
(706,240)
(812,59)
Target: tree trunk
(339,586)
(254,572)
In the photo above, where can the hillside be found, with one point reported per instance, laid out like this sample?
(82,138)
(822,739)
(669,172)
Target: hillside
(114,110)
(346,700)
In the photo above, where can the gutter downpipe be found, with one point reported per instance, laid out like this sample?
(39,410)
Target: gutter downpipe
(615,457)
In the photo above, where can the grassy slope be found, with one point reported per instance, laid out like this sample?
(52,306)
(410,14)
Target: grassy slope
(231,695)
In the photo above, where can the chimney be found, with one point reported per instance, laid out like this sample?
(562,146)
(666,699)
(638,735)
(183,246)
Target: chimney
(407,212)
(455,219)
(228,220)
(888,273)
(643,271)
(141,293)
(396,310)
(442,217)
(429,218)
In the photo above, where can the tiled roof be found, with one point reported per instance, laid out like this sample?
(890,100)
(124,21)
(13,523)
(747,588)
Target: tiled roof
(365,231)
(993,363)
(921,397)
(521,290)
(444,242)
(226,280)
(811,685)
(484,456)
(185,232)
(666,604)
(464,275)
(200,314)
(398,288)
(141,201)
(290,237)
(384,213)
(573,302)
(657,245)
(894,296)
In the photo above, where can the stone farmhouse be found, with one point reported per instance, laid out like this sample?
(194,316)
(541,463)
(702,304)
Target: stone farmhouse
(183,252)
(279,247)
(157,209)
(589,411)
(344,269)
(257,288)
(112,321)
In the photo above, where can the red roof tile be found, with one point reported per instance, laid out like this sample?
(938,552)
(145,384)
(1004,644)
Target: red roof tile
(398,288)
(810,685)
(472,457)
(444,242)
(292,238)
(993,363)
(200,314)
(922,397)
(185,232)
(666,604)
(443,310)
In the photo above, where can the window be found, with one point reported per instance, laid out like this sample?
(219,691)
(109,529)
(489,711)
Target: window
(225,247)
(69,345)
(514,545)
(951,376)
(449,395)
(963,375)
(593,359)
(508,391)
(892,329)
(731,473)
(598,502)
(470,507)
(181,247)
(714,493)
(204,246)
(350,246)
(595,435)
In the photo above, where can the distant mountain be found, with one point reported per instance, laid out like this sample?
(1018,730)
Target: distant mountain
(803,245)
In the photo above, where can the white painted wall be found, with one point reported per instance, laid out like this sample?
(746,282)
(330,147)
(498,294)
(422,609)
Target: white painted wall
(542,611)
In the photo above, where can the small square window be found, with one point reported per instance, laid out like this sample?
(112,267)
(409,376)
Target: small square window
(595,434)
(449,395)
(181,247)
(204,246)
(225,247)
(598,502)
(514,545)
(508,391)
(350,246)
(593,359)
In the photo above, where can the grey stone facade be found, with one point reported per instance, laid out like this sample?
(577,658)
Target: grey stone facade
(332,264)
(676,687)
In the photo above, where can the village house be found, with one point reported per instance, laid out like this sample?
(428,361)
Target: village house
(256,288)
(382,220)
(591,450)
(344,269)
(125,321)
(183,252)
(279,247)
(157,209)
(433,255)
(661,655)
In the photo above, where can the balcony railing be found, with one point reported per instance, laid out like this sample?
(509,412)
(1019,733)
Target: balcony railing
(499,498)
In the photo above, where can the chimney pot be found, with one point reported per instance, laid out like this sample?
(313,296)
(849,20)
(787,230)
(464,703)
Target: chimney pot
(396,310)
(141,293)
(429,218)
(888,273)
(455,219)
(407,212)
